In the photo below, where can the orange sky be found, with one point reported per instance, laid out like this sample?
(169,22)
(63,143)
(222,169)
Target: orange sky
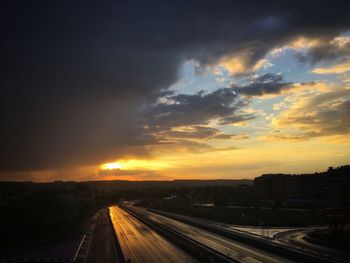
(176,92)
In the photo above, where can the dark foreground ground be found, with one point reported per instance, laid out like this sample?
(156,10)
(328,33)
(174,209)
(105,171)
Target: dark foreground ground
(340,241)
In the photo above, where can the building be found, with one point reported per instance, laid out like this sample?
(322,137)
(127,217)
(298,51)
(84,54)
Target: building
(330,188)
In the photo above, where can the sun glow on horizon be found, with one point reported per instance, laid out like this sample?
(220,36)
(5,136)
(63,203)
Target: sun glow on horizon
(134,164)
(111,166)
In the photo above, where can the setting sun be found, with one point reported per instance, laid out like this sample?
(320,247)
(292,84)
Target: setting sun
(134,164)
(111,166)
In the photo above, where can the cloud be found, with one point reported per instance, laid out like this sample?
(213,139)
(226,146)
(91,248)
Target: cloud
(193,132)
(185,146)
(242,118)
(184,121)
(325,114)
(224,106)
(336,69)
(78,76)
(239,136)
(196,109)
(199,133)
(326,49)
(119,172)
(266,84)
(113,174)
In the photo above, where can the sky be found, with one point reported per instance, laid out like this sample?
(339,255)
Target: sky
(163,90)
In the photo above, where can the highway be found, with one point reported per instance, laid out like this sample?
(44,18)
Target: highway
(139,243)
(292,238)
(234,250)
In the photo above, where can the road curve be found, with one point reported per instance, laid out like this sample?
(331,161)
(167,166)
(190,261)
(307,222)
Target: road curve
(292,239)
(296,239)
(141,244)
(235,250)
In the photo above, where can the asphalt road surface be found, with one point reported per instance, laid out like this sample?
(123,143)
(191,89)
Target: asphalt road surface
(139,243)
(102,249)
(235,250)
(292,238)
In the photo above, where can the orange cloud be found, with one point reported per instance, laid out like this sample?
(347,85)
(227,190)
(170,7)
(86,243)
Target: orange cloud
(315,115)
(337,69)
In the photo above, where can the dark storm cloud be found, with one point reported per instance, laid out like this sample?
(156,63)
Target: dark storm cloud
(224,105)
(74,74)
(264,85)
(326,50)
(179,119)
(197,109)
(269,77)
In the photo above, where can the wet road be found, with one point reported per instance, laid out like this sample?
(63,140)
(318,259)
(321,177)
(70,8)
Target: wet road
(139,243)
(235,250)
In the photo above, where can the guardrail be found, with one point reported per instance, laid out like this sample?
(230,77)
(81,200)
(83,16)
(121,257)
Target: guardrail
(265,245)
(82,251)
(203,253)
(79,248)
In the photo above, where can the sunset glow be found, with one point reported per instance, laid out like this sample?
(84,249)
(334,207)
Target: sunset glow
(134,164)
(155,131)
(111,166)
(231,97)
